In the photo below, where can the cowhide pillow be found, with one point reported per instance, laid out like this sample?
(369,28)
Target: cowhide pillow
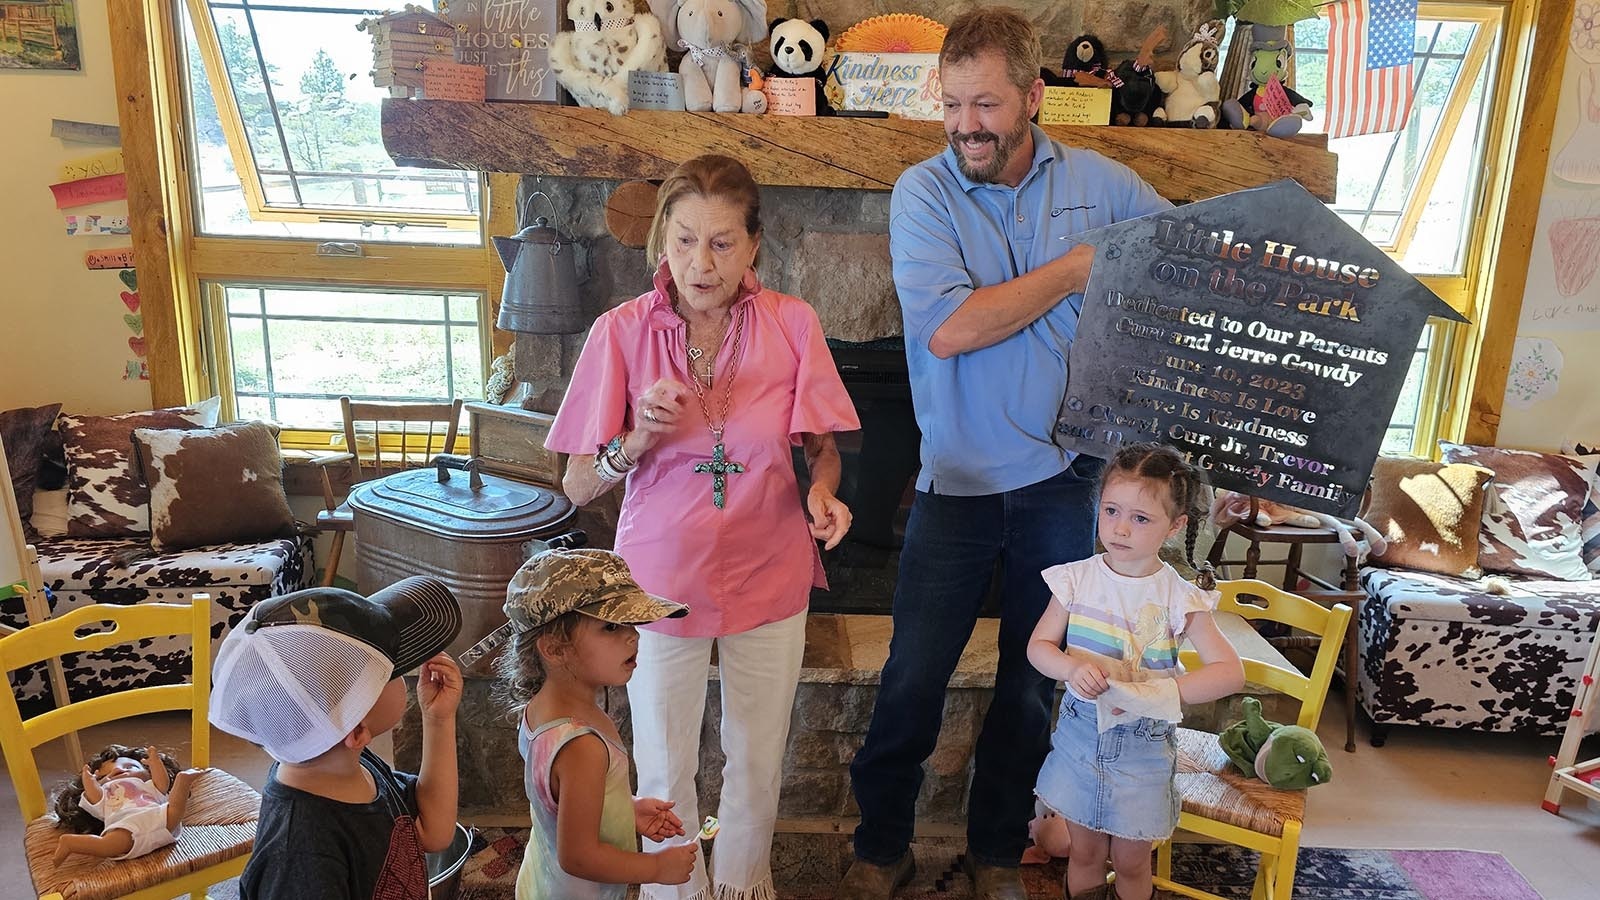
(106,497)
(213,485)
(1533,518)
(1429,512)
(25,433)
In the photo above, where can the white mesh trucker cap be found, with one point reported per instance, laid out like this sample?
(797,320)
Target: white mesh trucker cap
(302,670)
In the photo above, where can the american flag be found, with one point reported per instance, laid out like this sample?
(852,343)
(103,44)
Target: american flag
(1370,43)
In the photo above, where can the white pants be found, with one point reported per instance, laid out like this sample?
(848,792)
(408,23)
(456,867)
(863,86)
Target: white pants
(759,672)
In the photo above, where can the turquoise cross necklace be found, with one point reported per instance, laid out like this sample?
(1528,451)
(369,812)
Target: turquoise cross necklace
(719,467)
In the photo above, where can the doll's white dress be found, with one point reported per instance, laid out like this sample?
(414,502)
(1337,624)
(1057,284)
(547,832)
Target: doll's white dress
(135,806)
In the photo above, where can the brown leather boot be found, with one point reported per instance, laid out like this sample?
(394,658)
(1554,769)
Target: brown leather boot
(865,881)
(994,882)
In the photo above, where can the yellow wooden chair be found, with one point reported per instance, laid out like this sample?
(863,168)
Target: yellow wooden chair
(220,824)
(1219,802)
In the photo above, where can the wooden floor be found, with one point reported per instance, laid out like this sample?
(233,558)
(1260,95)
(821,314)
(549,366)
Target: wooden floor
(1426,788)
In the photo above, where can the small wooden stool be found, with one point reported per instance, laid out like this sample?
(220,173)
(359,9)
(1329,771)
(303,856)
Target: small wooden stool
(1348,591)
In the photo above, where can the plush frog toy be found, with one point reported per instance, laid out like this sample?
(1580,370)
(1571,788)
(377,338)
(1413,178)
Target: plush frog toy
(1285,756)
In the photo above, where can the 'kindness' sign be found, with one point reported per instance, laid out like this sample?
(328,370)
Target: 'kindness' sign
(901,84)
(1255,331)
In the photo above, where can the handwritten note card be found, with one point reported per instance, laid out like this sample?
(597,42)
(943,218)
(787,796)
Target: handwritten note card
(85,132)
(454,81)
(1273,101)
(107,163)
(90,190)
(654,90)
(901,84)
(1075,106)
(792,96)
(116,258)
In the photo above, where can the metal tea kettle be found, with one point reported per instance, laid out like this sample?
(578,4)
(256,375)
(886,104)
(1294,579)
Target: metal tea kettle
(541,289)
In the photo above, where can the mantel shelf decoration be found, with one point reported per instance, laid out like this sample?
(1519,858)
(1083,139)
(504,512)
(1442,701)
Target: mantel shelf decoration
(845,153)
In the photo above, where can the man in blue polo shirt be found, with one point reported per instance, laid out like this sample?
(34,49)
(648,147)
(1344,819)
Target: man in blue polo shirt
(990,284)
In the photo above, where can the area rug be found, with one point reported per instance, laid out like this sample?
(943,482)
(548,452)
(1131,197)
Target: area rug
(806,867)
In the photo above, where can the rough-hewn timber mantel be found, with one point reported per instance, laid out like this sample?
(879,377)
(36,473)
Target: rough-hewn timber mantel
(852,153)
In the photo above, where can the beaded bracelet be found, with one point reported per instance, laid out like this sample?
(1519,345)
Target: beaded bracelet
(612,463)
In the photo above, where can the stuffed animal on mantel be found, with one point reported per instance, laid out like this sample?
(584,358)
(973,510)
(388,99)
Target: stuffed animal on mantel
(1137,97)
(799,50)
(607,41)
(1193,95)
(1269,105)
(715,37)
(1085,64)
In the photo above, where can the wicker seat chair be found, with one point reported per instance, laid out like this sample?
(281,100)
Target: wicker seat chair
(219,826)
(1224,805)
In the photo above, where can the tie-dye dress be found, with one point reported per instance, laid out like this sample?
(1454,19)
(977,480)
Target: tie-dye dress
(541,876)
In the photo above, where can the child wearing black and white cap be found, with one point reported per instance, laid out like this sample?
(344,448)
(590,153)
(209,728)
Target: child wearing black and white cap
(313,676)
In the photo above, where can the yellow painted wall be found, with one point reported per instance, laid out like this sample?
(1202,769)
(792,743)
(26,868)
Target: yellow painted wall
(1553,392)
(62,325)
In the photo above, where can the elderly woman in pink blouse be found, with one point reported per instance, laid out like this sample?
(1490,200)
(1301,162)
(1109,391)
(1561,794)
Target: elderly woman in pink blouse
(691,396)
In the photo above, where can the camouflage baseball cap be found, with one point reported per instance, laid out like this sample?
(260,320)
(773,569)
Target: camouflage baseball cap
(590,581)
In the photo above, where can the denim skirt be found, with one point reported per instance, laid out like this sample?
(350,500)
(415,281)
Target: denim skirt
(1118,783)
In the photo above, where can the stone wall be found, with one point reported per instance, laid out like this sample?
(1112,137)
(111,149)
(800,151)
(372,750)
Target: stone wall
(830,247)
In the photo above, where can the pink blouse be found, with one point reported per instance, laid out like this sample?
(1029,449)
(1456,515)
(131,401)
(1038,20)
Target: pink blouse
(754,561)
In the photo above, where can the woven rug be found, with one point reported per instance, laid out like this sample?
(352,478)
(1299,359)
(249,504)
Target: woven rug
(806,867)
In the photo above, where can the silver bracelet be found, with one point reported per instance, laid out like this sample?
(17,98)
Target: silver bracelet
(605,470)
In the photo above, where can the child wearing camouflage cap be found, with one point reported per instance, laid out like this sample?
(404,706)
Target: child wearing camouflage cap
(313,676)
(572,616)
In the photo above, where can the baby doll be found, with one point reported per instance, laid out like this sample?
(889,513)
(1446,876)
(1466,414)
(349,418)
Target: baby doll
(122,806)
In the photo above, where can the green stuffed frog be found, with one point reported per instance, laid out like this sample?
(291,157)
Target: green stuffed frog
(1285,756)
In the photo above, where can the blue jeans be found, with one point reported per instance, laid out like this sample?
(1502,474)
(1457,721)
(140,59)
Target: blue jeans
(951,549)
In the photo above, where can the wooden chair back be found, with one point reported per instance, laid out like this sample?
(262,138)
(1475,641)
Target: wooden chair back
(403,434)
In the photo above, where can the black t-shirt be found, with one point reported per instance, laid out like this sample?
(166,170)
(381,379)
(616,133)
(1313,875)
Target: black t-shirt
(313,848)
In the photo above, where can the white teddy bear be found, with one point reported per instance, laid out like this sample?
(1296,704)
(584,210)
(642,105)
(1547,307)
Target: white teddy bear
(607,41)
(715,36)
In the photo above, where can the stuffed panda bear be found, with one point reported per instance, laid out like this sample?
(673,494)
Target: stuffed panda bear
(798,49)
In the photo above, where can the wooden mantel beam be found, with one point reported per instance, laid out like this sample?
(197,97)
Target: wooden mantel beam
(827,152)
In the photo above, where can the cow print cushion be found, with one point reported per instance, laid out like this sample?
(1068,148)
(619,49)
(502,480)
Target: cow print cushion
(25,432)
(80,571)
(106,496)
(1533,512)
(1429,513)
(1443,651)
(213,485)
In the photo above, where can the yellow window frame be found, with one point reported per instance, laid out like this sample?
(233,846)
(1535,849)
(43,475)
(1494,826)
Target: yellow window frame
(244,160)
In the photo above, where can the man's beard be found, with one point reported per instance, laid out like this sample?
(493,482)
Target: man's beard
(1004,147)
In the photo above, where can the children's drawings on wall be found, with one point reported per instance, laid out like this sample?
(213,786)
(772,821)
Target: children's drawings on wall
(134,369)
(1563,292)
(1535,372)
(1575,245)
(1579,161)
(39,34)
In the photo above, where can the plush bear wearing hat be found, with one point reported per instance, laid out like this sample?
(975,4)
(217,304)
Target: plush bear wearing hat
(1288,757)
(607,41)
(715,36)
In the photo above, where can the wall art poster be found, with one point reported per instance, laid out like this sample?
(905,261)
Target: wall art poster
(900,84)
(1535,372)
(39,34)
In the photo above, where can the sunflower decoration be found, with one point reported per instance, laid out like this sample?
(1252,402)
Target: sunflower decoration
(892,33)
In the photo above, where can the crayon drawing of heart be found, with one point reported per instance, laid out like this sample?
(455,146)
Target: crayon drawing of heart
(131,301)
(136,344)
(130,278)
(135,323)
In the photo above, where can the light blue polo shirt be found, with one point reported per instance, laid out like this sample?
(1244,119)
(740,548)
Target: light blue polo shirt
(986,416)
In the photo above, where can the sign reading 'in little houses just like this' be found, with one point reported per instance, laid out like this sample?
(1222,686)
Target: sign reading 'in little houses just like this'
(1256,332)
(511,40)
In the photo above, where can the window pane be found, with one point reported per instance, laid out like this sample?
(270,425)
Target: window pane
(1380,173)
(310,114)
(313,345)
